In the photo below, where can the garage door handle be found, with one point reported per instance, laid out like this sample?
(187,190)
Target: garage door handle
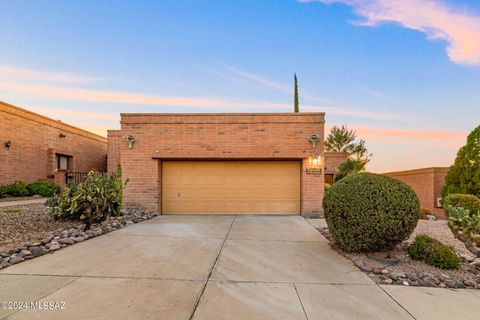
(178,195)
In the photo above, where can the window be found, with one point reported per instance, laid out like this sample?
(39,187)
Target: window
(62,162)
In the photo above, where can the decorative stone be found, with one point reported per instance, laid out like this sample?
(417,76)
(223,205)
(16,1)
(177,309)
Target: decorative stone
(470,283)
(4,255)
(467,258)
(37,251)
(450,283)
(66,241)
(24,253)
(78,239)
(405,283)
(397,275)
(385,272)
(388,281)
(12,251)
(16,259)
(54,247)
(412,277)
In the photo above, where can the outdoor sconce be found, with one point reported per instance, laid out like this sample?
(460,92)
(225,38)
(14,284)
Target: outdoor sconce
(8,144)
(314,138)
(315,161)
(61,135)
(130,140)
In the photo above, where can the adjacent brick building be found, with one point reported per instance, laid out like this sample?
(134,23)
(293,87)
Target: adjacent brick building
(427,183)
(332,160)
(221,163)
(34,147)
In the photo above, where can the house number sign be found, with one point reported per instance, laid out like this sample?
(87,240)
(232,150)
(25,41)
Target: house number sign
(314,171)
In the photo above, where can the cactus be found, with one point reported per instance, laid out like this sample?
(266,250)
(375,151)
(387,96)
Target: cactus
(465,227)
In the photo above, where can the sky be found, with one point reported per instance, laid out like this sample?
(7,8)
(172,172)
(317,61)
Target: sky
(404,74)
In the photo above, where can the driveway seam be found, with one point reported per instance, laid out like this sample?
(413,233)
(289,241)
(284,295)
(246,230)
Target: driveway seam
(211,271)
(300,300)
(401,306)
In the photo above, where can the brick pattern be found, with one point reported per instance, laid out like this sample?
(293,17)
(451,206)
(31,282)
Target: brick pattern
(332,160)
(213,136)
(113,149)
(35,141)
(427,183)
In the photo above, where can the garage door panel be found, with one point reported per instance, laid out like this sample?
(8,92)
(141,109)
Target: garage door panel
(231,187)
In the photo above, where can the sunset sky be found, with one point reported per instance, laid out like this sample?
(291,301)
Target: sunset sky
(405,74)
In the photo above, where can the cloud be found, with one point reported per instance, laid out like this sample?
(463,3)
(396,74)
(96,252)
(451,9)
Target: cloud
(439,21)
(22,74)
(69,93)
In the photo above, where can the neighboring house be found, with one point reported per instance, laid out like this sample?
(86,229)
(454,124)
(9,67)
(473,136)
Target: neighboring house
(249,163)
(34,147)
(332,160)
(427,183)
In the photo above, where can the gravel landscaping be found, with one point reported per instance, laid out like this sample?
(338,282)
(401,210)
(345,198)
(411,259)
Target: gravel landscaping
(408,272)
(29,231)
(9,199)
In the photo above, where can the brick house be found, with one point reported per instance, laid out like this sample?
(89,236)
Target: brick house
(332,160)
(221,163)
(427,183)
(34,147)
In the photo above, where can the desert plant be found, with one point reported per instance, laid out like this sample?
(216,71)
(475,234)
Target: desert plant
(3,191)
(93,200)
(327,186)
(433,252)
(340,139)
(466,201)
(16,189)
(370,212)
(464,175)
(43,188)
(465,226)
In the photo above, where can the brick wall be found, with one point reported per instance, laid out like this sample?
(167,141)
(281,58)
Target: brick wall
(214,136)
(35,141)
(113,149)
(427,183)
(332,160)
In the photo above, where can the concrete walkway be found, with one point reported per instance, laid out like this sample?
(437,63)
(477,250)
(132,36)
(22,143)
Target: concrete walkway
(22,202)
(186,267)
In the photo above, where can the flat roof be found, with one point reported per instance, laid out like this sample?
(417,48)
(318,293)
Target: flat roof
(17,111)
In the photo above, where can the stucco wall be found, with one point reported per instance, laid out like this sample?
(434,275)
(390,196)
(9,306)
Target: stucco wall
(216,136)
(35,140)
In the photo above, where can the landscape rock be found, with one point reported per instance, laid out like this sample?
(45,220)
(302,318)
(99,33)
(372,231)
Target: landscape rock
(24,253)
(54,247)
(16,259)
(37,251)
(66,241)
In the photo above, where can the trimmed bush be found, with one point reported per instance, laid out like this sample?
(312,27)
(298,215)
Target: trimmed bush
(433,252)
(94,200)
(327,186)
(16,189)
(43,188)
(465,201)
(370,212)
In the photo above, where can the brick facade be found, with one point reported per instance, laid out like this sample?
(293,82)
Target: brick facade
(332,160)
(35,142)
(427,183)
(213,137)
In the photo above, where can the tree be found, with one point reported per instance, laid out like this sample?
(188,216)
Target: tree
(349,167)
(344,140)
(464,175)
(295,98)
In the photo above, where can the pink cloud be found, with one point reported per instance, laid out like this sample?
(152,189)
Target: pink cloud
(439,21)
(23,74)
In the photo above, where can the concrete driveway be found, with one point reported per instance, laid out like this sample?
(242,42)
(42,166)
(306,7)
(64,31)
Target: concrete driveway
(216,267)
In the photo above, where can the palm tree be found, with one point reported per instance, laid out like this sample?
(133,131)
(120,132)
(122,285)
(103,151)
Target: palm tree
(349,167)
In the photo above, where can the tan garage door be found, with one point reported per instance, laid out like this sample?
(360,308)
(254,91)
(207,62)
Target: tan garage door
(231,187)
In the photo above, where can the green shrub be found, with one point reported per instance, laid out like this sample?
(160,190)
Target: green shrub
(94,200)
(43,188)
(466,201)
(465,226)
(433,252)
(370,212)
(327,186)
(16,189)
(3,191)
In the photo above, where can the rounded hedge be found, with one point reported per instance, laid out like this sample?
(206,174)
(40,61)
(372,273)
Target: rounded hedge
(370,212)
